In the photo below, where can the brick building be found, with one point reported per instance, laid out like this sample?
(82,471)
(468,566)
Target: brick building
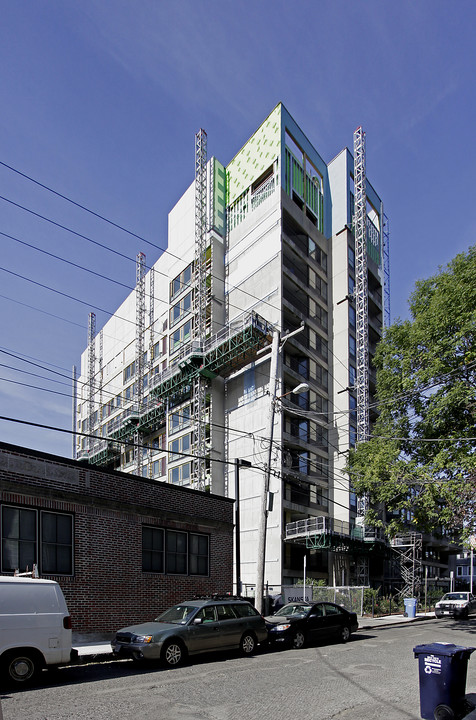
(122,547)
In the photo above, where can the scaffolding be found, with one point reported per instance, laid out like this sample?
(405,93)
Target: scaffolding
(409,550)
(91,372)
(200,307)
(386,268)
(140,331)
(361,301)
(361,287)
(225,352)
(326,533)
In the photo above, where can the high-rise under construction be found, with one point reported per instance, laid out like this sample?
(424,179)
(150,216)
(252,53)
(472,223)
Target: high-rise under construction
(247,347)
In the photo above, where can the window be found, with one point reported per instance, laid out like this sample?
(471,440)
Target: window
(56,544)
(24,543)
(353,408)
(317,254)
(352,346)
(318,284)
(180,474)
(352,436)
(183,307)
(351,256)
(181,281)
(198,554)
(158,443)
(176,552)
(351,285)
(352,375)
(179,419)
(244,610)
(352,317)
(317,343)
(18,539)
(178,446)
(129,371)
(249,382)
(180,336)
(159,467)
(318,373)
(152,549)
(332,609)
(225,612)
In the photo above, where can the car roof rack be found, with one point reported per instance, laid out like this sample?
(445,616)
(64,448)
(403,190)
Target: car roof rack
(220,596)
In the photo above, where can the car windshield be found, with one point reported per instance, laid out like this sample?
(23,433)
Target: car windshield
(293,609)
(177,615)
(455,596)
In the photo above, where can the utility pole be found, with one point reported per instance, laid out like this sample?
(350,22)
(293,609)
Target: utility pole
(238,463)
(263,517)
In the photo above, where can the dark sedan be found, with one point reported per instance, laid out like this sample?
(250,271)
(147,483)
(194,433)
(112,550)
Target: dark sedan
(299,623)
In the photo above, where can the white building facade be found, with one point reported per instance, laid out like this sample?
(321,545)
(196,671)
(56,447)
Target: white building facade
(279,257)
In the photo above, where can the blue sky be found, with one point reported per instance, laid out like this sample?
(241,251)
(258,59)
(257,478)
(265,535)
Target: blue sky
(101,100)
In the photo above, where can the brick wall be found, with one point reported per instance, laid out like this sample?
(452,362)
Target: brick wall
(108,588)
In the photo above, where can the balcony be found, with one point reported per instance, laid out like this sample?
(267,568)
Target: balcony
(328,532)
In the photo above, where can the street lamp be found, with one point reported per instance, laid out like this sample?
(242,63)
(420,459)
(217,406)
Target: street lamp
(302,387)
(263,517)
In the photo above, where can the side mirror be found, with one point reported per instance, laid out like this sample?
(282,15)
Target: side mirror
(198,621)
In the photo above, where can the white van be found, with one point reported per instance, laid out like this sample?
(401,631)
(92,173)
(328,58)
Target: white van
(35,627)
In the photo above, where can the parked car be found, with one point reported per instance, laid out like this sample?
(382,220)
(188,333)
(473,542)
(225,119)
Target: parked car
(192,627)
(299,623)
(35,628)
(456,604)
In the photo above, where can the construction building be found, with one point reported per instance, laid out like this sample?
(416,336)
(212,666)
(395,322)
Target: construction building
(275,279)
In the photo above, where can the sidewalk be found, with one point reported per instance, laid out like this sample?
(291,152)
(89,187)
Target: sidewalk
(367,622)
(97,647)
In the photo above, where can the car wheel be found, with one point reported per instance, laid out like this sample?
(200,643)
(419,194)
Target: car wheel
(298,640)
(173,653)
(248,644)
(344,633)
(438,615)
(21,667)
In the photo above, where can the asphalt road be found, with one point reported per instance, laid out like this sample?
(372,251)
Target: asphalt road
(374,676)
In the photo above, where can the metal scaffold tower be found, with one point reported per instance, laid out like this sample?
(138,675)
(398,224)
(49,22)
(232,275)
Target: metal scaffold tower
(386,269)
(101,375)
(151,318)
(91,372)
(74,379)
(361,297)
(140,330)
(409,550)
(200,305)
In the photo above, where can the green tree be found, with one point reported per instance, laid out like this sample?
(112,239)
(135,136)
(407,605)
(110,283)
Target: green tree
(421,454)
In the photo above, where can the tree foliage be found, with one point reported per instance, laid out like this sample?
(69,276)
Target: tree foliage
(421,455)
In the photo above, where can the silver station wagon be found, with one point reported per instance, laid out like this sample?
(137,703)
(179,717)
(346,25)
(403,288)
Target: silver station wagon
(192,627)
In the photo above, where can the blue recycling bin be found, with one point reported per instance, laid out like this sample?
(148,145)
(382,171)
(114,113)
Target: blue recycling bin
(442,670)
(410,607)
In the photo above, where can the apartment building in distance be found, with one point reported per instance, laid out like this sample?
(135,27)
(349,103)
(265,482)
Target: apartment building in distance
(182,383)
